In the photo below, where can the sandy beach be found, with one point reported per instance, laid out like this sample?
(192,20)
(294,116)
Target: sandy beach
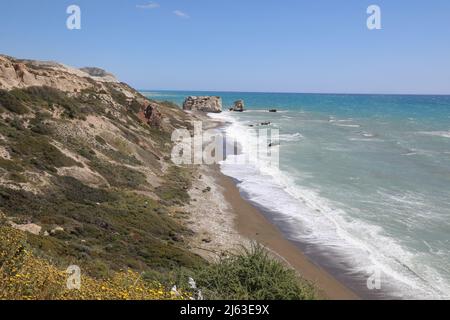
(223,220)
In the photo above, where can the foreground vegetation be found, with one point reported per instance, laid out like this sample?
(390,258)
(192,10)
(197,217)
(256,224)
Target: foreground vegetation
(93,179)
(250,275)
(247,274)
(23,276)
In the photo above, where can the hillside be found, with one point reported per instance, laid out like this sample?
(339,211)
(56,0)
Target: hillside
(85,166)
(86,179)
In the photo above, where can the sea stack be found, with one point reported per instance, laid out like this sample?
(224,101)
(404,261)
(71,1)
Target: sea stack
(238,106)
(203,104)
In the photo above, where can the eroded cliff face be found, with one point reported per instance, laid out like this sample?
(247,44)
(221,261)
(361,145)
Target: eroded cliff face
(89,156)
(15,73)
(203,104)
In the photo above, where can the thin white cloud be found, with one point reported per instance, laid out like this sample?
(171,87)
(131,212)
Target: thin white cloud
(150,5)
(181,14)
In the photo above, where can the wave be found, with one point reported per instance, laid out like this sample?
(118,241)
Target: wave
(291,137)
(315,220)
(365,140)
(347,125)
(265,111)
(443,134)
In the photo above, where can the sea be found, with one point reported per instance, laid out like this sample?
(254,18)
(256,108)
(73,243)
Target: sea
(362,187)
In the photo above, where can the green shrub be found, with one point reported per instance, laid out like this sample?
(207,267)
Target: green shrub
(135,106)
(119,176)
(252,275)
(12,103)
(100,140)
(19,101)
(38,152)
(119,229)
(169,104)
(118,96)
(175,189)
(10,166)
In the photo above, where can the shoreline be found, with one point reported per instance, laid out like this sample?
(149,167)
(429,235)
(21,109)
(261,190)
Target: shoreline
(223,219)
(251,224)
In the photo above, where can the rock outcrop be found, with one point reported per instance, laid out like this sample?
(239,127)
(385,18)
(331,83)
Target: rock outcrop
(99,74)
(238,106)
(153,115)
(203,104)
(18,73)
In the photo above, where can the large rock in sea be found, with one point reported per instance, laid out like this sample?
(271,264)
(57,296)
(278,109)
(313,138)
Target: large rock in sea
(238,106)
(203,104)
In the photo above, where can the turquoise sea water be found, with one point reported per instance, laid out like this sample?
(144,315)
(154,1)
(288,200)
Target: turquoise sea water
(364,182)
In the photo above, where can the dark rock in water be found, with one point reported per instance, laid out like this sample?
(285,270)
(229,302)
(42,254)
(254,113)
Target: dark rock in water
(238,106)
(267,123)
(273,144)
(203,104)
(273,110)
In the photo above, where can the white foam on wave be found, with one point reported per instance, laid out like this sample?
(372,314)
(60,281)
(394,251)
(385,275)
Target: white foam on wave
(347,125)
(265,111)
(315,220)
(366,140)
(291,137)
(442,134)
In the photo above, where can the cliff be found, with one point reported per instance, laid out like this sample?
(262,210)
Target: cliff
(86,180)
(85,167)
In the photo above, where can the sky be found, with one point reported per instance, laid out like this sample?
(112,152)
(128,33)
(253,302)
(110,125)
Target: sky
(321,46)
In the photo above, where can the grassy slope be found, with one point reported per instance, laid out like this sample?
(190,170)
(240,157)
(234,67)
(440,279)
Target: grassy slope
(104,228)
(110,224)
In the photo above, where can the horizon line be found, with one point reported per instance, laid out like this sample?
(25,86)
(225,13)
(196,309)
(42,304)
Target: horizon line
(290,92)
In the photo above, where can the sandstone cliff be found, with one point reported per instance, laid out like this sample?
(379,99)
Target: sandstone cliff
(89,156)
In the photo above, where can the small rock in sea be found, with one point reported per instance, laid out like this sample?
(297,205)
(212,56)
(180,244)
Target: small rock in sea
(238,106)
(265,123)
(273,144)
(273,110)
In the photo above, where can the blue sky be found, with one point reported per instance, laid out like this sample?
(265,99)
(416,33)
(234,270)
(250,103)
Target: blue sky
(242,45)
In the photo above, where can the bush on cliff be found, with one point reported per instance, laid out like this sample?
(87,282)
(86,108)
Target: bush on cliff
(249,274)
(11,103)
(252,275)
